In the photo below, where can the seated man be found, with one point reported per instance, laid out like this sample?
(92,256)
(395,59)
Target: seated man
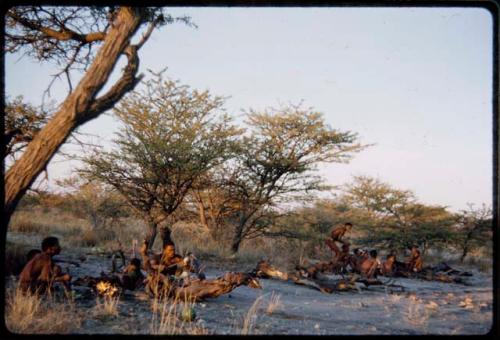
(167,263)
(414,263)
(357,259)
(387,267)
(41,272)
(368,268)
(336,235)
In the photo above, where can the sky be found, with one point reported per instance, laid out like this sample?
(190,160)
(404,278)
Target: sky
(414,82)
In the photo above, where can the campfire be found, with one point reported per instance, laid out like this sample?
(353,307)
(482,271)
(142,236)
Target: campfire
(106,289)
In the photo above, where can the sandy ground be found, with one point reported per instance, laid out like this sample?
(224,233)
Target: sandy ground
(422,308)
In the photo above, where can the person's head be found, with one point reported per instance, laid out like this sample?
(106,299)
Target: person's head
(169,250)
(51,246)
(348,225)
(373,253)
(391,257)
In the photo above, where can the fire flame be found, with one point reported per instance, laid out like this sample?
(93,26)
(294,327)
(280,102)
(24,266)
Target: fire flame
(106,289)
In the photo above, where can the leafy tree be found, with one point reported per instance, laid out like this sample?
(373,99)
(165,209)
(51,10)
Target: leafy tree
(395,219)
(211,204)
(22,123)
(474,229)
(75,38)
(276,161)
(171,136)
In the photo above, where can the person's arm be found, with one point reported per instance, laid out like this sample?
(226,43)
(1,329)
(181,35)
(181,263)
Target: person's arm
(372,269)
(57,274)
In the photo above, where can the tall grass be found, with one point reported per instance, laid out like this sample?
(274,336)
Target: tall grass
(106,306)
(28,313)
(274,303)
(251,317)
(73,231)
(167,318)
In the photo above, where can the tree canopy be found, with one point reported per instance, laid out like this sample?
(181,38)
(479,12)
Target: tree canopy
(171,135)
(68,36)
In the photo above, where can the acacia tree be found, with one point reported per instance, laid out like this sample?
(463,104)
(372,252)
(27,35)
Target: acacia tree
(395,219)
(22,123)
(474,229)
(171,136)
(92,39)
(275,164)
(210,203)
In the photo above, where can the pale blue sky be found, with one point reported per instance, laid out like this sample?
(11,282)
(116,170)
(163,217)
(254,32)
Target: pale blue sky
(415,81)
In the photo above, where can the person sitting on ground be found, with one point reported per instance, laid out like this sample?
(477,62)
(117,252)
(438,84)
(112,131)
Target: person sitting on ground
(369,266)
(415,263)
(132,276)
(359,256)
(167,263)
(41,272)
(388,265)
(336,235)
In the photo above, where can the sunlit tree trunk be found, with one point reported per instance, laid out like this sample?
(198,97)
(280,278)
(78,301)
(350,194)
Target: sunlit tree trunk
(78,108)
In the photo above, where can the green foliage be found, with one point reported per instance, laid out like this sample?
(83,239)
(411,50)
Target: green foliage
(474,229)
(171,136)
(22,123)
(396,220)
(277,160)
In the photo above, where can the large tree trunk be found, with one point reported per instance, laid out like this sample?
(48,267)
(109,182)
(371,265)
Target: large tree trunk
(238,234)
(166,237)
(202,215)
(151,236)
(79,107)
(465,251)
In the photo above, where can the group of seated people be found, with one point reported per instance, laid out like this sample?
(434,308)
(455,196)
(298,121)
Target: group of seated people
(367,263)
(41,271)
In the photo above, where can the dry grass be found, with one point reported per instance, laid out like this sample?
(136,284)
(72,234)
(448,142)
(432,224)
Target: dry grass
(32,314)
(251,317)
(274,303)
(480,259)
(106,306)
(167,319)
(75,232)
